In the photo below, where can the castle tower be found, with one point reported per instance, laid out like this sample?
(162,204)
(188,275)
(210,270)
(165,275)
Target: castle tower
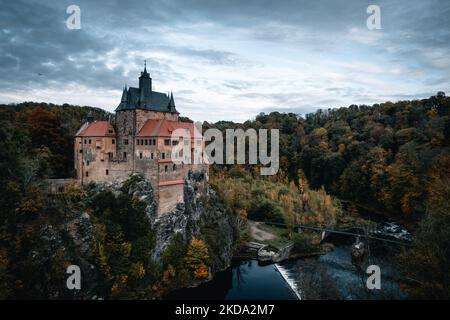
(145,87)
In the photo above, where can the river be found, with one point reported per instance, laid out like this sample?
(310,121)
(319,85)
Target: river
(329,276)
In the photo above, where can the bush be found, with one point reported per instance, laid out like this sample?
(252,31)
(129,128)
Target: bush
(265,210)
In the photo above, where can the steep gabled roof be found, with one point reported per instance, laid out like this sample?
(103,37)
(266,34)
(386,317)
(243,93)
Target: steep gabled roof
(145,98)
(157,101)
(96,129)
(165,128)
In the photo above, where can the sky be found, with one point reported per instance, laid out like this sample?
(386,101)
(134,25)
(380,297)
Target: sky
(226,59)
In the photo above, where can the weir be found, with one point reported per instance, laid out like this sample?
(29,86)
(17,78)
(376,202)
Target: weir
(289,280)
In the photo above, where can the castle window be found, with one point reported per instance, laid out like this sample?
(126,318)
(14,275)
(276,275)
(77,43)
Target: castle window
(163,155)
(124,155)
(146,142)
(167,142)
(110,131)
(107,171)
(85,141)
(80,141)
(151,155)
(166,168)
(174,167)
(87,162)
(137,141)
(125,141)
(140,155)
(87,174)
(174,142)
(142,142)
(90,141)
(154,142)
(110,155)
(81,150)
(113,141)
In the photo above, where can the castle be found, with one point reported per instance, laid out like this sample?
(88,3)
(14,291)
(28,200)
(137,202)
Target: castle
(139,141)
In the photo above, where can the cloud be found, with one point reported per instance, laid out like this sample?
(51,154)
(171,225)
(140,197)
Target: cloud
(225,59)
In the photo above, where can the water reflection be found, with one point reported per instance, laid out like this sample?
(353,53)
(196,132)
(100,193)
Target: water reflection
(245,279)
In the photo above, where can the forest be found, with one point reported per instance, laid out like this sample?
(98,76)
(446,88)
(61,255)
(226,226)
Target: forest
(390,158)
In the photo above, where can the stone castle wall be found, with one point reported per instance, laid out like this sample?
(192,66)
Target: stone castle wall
(169,197)
(125,130)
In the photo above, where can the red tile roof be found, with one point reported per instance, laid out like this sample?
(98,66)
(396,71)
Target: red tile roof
(165,161)
(96,129)
(170,183)
(165,128)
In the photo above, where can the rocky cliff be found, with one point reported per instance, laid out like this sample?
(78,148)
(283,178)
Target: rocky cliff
(199,217)
(79,228)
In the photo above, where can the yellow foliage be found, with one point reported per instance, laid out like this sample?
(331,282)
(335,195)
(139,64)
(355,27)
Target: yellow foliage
(201,272)
(196,258)
(138,270)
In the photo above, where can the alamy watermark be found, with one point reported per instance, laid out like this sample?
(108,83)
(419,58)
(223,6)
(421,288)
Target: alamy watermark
(374,279)
(262,148)
(73,22)
(374,20)
(73,282)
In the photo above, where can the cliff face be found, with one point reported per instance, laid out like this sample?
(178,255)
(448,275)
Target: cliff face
(199,217)
(76,232)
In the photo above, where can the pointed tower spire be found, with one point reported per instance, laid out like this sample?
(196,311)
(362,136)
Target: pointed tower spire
(171,102)
(90,117)
(124,94)
(145,84)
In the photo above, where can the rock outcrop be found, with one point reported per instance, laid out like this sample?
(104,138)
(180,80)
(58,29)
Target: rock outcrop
(67,235)
(199,217)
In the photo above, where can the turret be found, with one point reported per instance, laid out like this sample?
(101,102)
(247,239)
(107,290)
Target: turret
(124,94)
(145,84)
(171,103)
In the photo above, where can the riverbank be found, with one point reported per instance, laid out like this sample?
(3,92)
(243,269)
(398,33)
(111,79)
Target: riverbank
(274,244)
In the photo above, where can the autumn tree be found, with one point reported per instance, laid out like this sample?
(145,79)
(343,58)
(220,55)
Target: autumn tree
(197,258)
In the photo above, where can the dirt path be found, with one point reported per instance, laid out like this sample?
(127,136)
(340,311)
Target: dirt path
(258,234)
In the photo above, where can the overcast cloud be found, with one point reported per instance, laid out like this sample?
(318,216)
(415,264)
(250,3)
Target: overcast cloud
(229,59)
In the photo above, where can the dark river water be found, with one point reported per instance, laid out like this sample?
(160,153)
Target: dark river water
(329,276)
